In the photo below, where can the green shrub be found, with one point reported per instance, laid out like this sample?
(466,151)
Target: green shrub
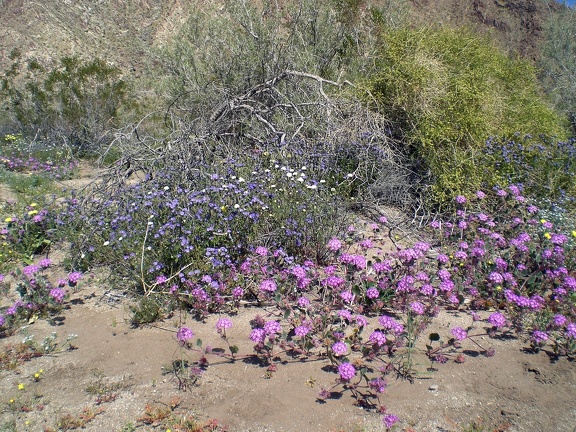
(74,102)
(447,91)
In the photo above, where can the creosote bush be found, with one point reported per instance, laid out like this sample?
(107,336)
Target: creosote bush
(448,91)
(74,102)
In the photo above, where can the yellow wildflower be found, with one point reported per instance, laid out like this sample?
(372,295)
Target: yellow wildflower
(547,235)
(21,386)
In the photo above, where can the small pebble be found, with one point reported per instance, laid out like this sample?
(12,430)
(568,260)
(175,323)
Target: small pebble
(433,387)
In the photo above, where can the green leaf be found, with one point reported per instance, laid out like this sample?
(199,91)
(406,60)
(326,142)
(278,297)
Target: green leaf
(199,342)
(434,337)
(234,349)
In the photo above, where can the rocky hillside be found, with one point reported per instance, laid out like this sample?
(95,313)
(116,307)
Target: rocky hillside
(125,32)
(515,25)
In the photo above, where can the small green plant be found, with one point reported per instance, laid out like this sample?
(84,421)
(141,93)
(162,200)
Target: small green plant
(147,311)
(104,389)
(26,233)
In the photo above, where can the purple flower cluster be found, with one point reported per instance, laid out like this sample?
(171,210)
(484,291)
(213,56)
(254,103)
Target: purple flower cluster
(339,349)
(184,334)
(346,371)
(459,333)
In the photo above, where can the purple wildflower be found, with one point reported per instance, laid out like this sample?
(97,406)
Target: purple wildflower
(57,294)
(571,331)
(268,285)
(334,281)
(222,324)
(497,320)
(390,323)
(334,244)
(378,385)
(444,274)
(346,371)
(377,338)
(339,349)
(303,302)
(514,189)
(301,331)
(161,279)
(446,285)
(258,335)
(380,267)
(366,244)
(443,259)
(495,278)
(427,289)
(30,270)
(461,199)
(74,277)
(389,420)
(343,313)
(559,320)
(459,333)
(539,337)
(184,334)
(272,327)
(361,320)
(45,263)
(417,308)
(372,293)
(261,250)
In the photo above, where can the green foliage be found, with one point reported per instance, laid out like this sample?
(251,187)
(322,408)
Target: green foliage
(448,91)
(74,101)
(25,232)
(558,62)
(147,311)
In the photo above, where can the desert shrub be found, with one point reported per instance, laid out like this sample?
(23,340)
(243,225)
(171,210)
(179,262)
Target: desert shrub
(557,63)
(74,102)
(226,51)
(448,91)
